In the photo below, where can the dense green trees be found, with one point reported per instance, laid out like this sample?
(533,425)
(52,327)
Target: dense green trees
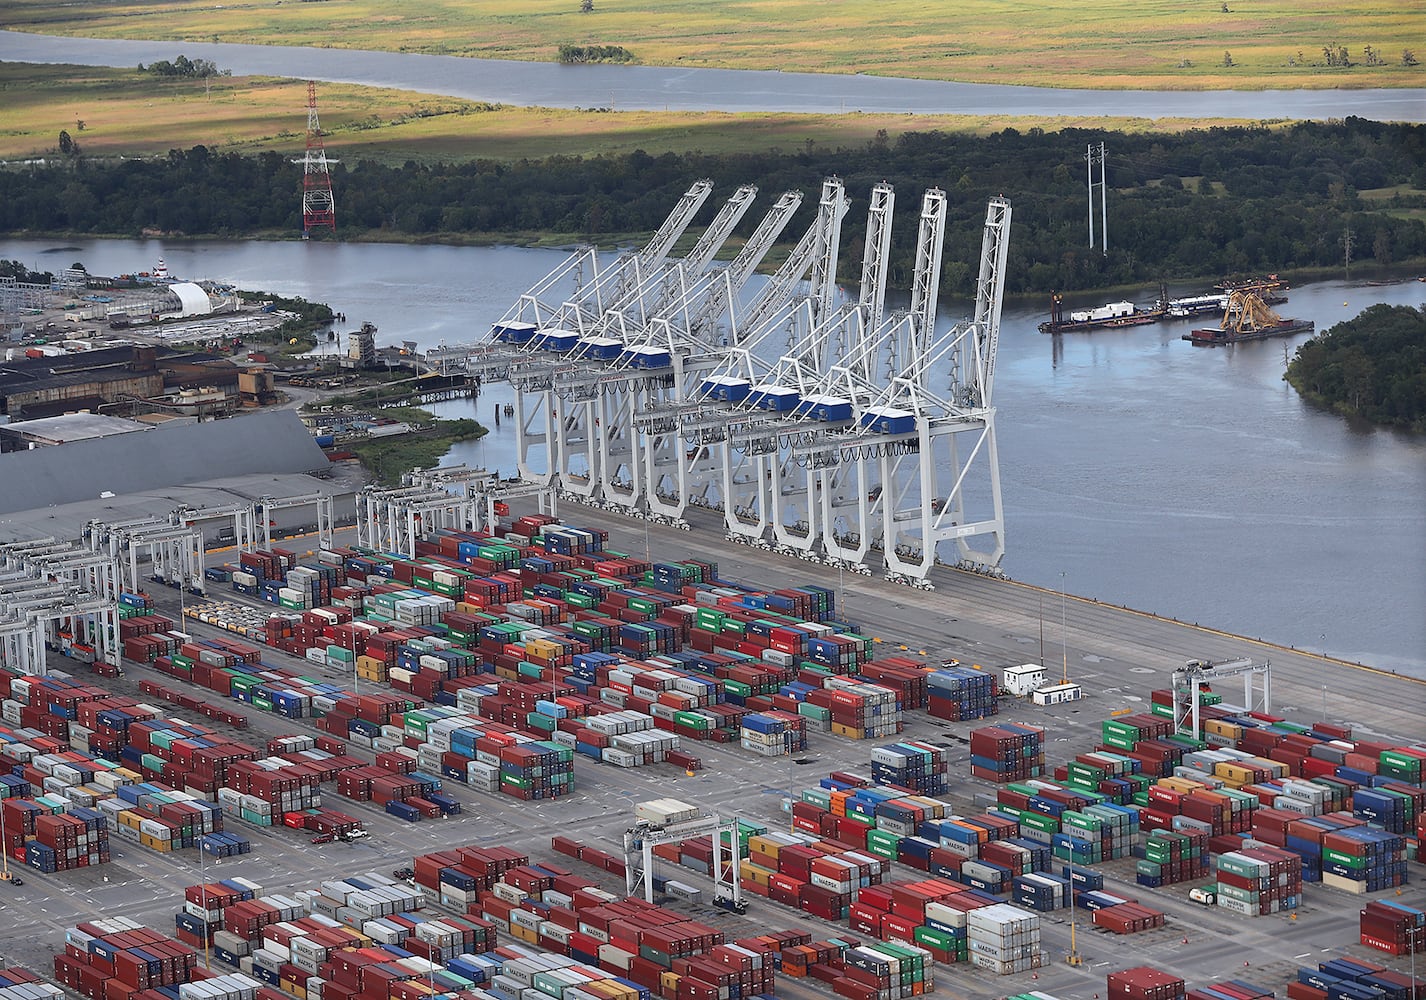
(1372,366)
(14,269)
(1188,205)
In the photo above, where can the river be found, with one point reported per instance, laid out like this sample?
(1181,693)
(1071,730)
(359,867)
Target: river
(667,88)
(1191,482)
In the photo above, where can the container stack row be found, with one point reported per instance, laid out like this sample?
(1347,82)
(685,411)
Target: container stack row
(202,914)
(1007,752)
(115,959)
(1118,914)
(985,851)
(1146,983)
(1004,939)
(773,734)
(887,970)
(1169,858)
(798,871)
(1393,927)
(1309,751)
(1186,805)
(932,914)
(1257,881)
(90,719)
(919,767)
(17,983)
(961,693)
(1361,859)
(55,842)
(1353,979)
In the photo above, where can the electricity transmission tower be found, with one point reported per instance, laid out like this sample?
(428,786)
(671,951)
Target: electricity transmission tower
(1092,155)
(318,207)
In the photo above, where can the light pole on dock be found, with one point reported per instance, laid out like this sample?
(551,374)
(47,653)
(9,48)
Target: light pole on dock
(1323,638)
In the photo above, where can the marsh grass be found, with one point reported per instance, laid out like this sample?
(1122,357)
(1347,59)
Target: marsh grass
(127,113)
(1107,44)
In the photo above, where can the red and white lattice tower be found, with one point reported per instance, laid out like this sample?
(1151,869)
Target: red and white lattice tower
(318,208)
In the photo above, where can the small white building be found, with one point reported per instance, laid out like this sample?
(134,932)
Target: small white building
(1023,679)
(1057,694)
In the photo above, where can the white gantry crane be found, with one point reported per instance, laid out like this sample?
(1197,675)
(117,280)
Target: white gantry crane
(831,430)
(669,821)
(1198,675)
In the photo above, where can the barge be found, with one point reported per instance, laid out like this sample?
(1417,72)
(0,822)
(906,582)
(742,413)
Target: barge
(1212,336)
(1247,317)
(1109,316)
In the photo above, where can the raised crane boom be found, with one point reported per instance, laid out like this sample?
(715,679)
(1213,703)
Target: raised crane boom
(769,229)
(989,292)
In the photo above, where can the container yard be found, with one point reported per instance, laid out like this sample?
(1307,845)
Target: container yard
(238,806)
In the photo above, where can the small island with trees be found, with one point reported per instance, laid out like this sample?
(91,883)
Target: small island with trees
(1372,366)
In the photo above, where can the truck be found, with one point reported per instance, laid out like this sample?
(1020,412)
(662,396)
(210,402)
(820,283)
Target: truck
(1204,895)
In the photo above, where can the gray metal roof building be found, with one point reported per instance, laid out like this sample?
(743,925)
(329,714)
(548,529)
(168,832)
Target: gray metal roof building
(259,444)
(68,521)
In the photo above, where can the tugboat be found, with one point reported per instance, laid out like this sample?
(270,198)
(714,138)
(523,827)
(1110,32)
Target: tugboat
(1247,317)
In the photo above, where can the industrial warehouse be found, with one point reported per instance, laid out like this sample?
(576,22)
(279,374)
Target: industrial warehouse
(699,705)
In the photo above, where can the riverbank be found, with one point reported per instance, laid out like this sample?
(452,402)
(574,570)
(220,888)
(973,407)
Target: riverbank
(1371,368)
(1104,44)
(692,88)
(388,459)
(1180,200)
(113,114)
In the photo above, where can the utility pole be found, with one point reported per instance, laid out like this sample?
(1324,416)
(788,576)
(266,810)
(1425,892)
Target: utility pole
(1090,156)
(1064,636)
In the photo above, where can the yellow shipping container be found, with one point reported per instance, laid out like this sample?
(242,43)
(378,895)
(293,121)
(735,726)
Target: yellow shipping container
(1184,785)
(1233,775)
(850,732)
(130,819)
(762,844)
(299,990)
(749,872)
(1276,768)
(668,983)
(154,843)
(526,934)
(1224,728)
(935,808)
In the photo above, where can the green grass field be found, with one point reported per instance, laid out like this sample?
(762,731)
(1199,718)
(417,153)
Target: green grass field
(127,113)
(1080,43)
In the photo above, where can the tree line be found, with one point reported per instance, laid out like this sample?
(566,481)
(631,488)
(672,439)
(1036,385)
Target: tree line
(1189,205)
(184,68)
(594,54)
(1371,366)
